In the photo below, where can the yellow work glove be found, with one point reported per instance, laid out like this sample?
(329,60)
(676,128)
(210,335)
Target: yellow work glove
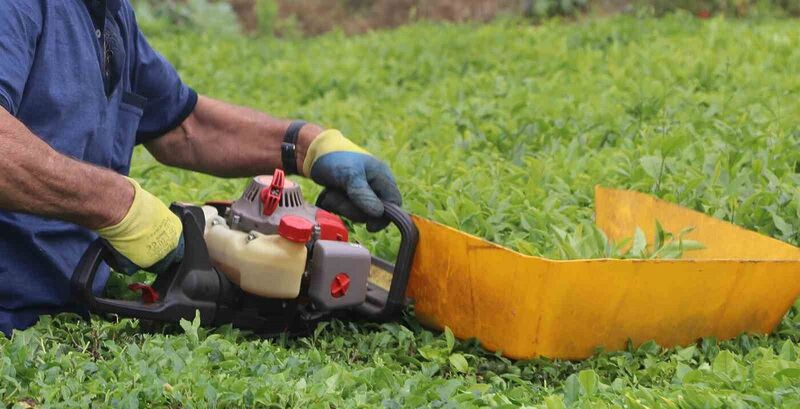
(356,183)
(149,237)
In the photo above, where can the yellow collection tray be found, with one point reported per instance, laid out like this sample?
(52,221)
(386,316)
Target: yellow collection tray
(529,306)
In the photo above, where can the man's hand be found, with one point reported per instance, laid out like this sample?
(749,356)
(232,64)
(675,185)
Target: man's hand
(356,183)
(149,237)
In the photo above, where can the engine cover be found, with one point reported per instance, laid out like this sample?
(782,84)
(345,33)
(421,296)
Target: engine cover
(248,212)
(336,271)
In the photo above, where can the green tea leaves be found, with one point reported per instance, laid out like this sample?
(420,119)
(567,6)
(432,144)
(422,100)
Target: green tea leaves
(191,328)
(449,338)
(725,365)
(588,242)
(459,363)
(589,381)
(501,130)
(639,244)
(652,165)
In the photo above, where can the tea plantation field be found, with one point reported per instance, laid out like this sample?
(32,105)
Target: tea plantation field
(502,131)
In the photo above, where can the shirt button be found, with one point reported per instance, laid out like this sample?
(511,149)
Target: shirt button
(98,33)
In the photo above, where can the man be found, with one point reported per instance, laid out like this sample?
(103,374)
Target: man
(79,87)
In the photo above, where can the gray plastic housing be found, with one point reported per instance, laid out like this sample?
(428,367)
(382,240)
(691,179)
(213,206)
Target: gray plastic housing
(331,258)
(247,212)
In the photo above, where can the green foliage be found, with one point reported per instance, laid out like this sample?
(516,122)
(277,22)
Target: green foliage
(507,142)
(73,363)
(267,13)
(161,16)
(739,8)
(550,8)
(588,241)
(502,131)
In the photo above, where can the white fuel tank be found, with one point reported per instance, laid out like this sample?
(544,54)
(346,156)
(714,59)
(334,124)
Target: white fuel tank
(265,265)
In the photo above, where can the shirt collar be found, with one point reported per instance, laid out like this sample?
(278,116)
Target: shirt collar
(98,8)
(111,5)
(114,5)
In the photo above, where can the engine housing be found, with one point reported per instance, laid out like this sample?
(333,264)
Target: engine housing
(336,271)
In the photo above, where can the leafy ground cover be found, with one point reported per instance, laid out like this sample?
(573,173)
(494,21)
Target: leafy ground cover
(502,131)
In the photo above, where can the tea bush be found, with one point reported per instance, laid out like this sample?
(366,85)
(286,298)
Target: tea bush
(738,8)
(502,131)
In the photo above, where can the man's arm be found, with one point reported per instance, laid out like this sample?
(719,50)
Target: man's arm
(36,179)
(228,141)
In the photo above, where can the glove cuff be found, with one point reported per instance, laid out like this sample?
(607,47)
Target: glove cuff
(147,233)
(328,141)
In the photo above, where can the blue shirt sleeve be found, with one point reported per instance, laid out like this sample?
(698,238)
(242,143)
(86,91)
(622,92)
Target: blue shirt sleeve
(20,26)
(169,100)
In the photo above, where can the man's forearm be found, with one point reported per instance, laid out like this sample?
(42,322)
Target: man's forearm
(228,141)
(36,179)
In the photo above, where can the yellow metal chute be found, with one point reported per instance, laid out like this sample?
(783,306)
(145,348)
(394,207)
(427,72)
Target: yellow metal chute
(529,306)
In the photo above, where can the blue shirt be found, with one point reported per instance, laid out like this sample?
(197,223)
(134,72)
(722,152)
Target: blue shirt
(83,78)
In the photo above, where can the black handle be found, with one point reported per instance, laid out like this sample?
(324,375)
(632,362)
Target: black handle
(189,286)
(383,305)
(83,280)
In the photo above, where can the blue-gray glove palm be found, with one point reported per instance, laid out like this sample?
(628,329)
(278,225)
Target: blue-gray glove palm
(356,183)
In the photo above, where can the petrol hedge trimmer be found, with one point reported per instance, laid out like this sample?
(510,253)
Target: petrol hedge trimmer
(271,263)
(268,262)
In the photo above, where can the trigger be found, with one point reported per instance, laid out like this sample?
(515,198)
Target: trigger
(149,294)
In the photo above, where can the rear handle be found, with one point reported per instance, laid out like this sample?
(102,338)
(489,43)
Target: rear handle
(186,287)
(83,281)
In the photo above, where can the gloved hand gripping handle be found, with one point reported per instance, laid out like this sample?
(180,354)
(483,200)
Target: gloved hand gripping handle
(193,285)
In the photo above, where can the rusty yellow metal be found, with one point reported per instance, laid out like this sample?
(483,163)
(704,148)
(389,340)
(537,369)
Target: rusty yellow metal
(529,306)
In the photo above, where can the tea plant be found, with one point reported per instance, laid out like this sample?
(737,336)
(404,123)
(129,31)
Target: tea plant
(501,131)
(589,241)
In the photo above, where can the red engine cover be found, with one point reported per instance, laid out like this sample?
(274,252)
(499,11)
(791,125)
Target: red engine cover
(331,226)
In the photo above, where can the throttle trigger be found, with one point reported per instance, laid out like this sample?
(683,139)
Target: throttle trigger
(149,294)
